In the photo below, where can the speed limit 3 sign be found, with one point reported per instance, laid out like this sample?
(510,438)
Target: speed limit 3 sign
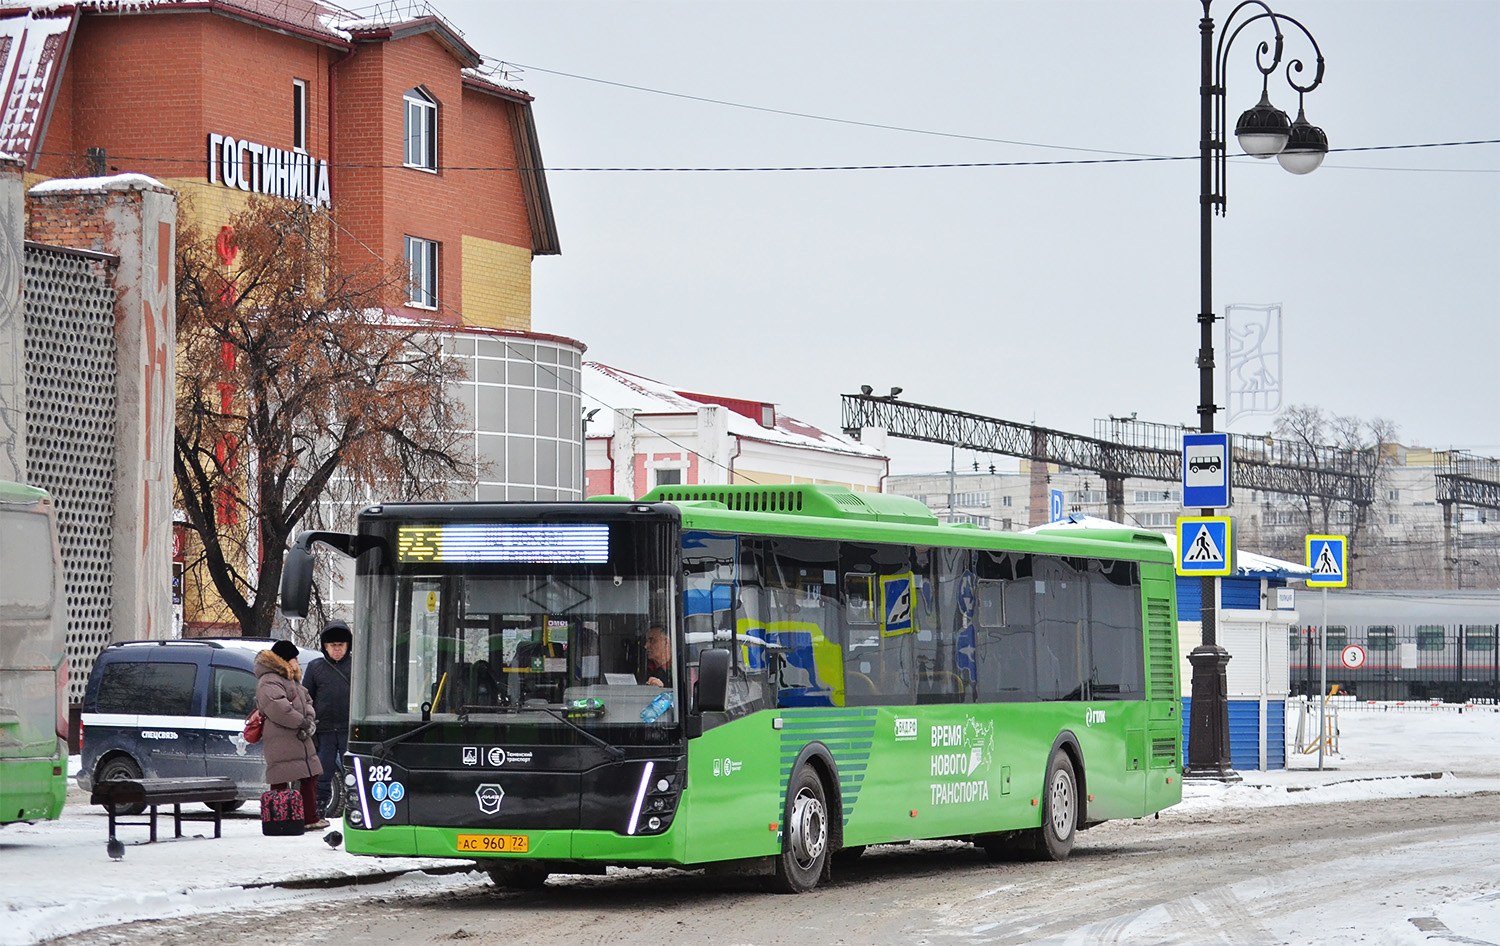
(1353,656)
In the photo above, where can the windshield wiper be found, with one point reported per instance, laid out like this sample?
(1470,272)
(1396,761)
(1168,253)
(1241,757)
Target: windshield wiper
(614,751)
(381,748)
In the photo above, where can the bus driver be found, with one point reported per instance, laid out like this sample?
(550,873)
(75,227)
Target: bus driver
(658,657)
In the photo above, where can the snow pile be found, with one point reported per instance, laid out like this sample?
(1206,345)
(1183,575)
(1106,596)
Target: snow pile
(56,878)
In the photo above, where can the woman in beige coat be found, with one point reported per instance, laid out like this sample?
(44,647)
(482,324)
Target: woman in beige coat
(290,750)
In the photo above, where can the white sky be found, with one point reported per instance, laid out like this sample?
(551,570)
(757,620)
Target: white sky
(55,878)
(1053,295)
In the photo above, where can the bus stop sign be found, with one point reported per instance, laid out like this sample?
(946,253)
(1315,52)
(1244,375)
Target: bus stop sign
(1205,471)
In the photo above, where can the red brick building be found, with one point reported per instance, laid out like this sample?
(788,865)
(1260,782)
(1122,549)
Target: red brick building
(392,125)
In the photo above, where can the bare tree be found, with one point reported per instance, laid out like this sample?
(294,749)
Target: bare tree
(1342,442)
(295,388)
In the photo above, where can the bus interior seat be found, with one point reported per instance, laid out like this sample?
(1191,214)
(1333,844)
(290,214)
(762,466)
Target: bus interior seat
(453,688)
(483,686)
(940,681)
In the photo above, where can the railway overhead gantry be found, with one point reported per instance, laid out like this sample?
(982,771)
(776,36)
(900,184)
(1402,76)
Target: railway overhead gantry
(1124,448)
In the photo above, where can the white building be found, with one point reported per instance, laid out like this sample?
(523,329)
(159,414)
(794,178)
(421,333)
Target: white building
(640,434)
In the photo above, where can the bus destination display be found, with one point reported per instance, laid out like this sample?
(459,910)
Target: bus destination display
(508,542)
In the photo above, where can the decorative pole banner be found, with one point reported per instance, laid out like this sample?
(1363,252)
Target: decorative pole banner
(1252,383)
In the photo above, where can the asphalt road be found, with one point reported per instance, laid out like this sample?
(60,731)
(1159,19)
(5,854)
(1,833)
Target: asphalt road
(1234,876)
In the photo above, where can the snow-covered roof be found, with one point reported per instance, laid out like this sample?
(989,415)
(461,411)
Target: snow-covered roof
(112,182)
(613,389)
(1247,564)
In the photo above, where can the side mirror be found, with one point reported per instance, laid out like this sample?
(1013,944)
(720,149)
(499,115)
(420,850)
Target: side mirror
(296,582)
(297,568)
(713,680)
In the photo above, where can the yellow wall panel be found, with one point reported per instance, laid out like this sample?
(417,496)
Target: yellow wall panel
(496,285)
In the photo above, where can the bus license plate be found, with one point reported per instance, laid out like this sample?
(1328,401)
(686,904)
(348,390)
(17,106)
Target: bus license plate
(493,843)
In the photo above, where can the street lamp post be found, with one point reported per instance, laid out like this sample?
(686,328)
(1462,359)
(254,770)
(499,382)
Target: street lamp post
(1263,132)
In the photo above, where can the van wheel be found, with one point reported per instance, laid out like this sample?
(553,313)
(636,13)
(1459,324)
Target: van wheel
(804,853)
(1059,810)
(121,767)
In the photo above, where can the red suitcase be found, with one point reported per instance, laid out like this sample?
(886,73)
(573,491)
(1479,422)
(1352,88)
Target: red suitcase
(281,812)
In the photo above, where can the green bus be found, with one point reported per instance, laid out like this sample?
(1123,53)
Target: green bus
(760,680)
(33,662)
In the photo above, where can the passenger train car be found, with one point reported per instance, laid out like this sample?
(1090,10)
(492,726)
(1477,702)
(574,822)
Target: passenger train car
(1411,645)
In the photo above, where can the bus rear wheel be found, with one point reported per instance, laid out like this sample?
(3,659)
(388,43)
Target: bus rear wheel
(517,876)
(1054,839)
(804,853)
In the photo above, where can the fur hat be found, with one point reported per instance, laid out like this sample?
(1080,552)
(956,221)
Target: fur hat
(337,632)
(286,650)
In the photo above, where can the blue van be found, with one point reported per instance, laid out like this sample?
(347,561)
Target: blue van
(171,709)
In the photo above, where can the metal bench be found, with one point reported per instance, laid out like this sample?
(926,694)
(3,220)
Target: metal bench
(117,793)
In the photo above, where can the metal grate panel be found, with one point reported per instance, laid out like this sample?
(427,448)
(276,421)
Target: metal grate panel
(70,433)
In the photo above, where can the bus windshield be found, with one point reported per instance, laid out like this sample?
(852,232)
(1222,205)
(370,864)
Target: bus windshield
(471,631)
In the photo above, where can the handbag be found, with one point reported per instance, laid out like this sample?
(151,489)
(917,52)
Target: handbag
(281,812)
(255,724)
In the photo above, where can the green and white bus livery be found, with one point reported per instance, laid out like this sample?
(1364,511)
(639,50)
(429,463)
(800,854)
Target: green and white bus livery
(33,661)
(841,670)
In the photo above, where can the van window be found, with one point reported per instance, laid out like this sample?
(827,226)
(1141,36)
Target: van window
(231,693)
(157,689)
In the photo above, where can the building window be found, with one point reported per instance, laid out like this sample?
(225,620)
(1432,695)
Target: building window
(1155,495)
(421,130)
(422,262)
(1393,519)
(669,477)
(299,114)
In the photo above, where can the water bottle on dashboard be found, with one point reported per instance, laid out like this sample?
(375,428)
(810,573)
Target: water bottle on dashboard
(656,707)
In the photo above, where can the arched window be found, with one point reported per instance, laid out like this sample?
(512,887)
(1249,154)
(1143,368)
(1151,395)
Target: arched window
(421,130)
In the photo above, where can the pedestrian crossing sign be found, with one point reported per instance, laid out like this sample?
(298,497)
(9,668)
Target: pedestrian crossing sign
(1205,545)
(1327,556)
(896,604)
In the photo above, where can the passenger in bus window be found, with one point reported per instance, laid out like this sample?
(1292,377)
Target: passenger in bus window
(658,657)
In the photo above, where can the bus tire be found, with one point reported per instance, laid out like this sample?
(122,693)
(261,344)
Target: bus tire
(120,767)
(516,875)
(804,851)
(1054,839)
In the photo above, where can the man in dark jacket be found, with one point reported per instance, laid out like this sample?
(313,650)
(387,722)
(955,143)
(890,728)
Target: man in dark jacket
(327,682)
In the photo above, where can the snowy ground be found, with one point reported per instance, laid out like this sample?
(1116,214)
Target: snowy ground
(56,878)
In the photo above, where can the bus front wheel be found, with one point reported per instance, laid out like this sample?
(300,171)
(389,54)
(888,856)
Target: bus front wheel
(1059,810)
(804,853)
(516,876)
